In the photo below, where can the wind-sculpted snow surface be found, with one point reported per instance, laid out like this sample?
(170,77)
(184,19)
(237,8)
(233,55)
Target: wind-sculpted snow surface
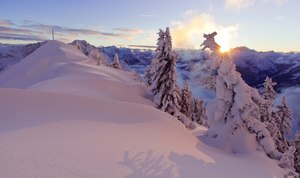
(61,115)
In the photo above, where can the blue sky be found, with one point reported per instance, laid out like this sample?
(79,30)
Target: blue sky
(258,24)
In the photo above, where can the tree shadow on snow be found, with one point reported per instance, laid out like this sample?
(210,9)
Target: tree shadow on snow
(148,165)
(174,165)
(188,166)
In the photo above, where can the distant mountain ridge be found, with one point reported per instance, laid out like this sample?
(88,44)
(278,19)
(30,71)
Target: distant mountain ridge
(254,66)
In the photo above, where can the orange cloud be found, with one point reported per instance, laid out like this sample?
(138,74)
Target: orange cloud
(188,33)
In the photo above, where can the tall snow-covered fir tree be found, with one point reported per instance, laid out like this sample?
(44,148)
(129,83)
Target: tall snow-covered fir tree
(162,79)
(198,111)
(234,113)
(296,144)
(153,68)
(164,84)
(186,100)
(116,63)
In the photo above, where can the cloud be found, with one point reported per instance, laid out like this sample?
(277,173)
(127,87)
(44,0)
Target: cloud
(5,23)
(278,2)
(190,12)
(280,18)
(188,32)
(64,33)
(128,30)
(11,30)
(60,29)
(238,4)
(142,46)
(5,36)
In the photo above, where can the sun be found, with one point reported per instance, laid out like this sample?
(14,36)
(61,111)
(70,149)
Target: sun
(224,41)
(224,49)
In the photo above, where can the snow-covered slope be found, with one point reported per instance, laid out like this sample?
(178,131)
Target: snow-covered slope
(11,54)
(63,116)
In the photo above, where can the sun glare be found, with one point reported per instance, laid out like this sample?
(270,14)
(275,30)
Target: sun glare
(224,49)
(224,43)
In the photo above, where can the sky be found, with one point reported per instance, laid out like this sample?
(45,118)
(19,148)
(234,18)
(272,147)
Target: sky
(262,25)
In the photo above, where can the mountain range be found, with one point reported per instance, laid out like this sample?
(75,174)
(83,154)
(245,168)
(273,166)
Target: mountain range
(254,66)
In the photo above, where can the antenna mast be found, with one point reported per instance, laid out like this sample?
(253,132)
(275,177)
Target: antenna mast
(52,34)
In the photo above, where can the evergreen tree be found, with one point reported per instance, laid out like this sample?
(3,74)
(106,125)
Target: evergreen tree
(269,93)
(98,56)
(164,87)
(235,110)
(163,81)
(296,143)
(168,42)
(285,117)
(271,118)
(164,84)
(186,100)
(283,122)
(267,107)
(150,71)
(199,110)
(287,162)
(116,63)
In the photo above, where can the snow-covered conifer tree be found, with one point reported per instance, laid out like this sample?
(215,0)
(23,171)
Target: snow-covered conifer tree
(235,110)
(164,84)
(267,111)
(152,69)
(163,80)
(186,100)
(270,117)
(198,113)
(296,143)
(287,162)
(98,56)
(285,115)
(269,93)
(116,63)
(283,123)
(168,42)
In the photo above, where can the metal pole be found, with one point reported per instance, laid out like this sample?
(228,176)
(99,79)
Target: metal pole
(52,34)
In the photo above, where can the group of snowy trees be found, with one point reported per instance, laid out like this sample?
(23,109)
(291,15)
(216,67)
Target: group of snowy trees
(278,121)
(235,110)
(239,111)
(101,59)
(96,54)
(161,77)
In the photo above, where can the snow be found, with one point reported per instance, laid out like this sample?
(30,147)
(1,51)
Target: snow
(63,116)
